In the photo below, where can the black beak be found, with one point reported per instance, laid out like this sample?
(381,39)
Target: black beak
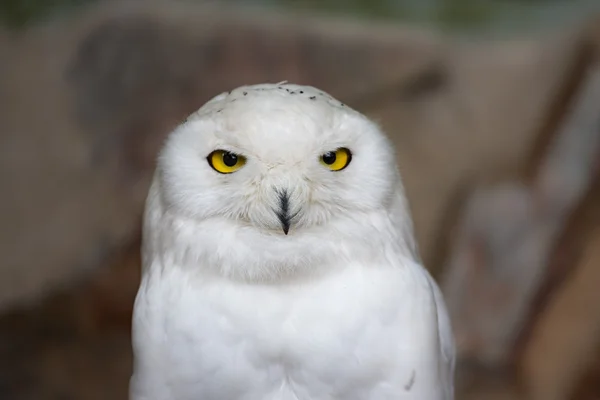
(284,211)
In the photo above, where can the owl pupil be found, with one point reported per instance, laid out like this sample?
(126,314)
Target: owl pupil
(230,159)
(329,158)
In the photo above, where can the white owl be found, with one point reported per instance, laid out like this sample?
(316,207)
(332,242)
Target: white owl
(279,261)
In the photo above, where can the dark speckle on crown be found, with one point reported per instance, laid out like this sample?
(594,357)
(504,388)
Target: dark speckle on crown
(245,93)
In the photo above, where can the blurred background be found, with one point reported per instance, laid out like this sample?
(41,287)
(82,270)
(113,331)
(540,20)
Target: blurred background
(493,107)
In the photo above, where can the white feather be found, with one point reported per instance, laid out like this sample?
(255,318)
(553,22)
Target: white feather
(231,308)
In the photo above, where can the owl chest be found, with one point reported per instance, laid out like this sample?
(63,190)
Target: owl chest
(338,337)
(280,326)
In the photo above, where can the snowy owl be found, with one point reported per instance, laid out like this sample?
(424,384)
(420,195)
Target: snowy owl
(279,261)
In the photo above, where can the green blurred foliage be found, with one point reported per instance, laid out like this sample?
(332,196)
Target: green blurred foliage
(455,15)
(465,12)
(451,14)
(19,13)
(439,12)
(362,8)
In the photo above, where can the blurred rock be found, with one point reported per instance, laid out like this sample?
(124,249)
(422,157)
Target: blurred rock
(481,124)
(565,342)
(561,352)
(76,344)
(507,235)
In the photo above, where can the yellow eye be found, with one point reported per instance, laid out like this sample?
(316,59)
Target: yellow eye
(225,162)
(337,160)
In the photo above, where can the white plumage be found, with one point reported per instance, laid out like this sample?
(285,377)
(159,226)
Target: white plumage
(279,261)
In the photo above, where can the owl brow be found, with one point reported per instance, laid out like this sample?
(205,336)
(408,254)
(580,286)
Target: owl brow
(229,148)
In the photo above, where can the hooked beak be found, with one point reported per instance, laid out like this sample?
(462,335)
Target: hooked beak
(283,213)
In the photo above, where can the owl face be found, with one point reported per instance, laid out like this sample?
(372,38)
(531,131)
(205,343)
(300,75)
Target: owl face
(278,160)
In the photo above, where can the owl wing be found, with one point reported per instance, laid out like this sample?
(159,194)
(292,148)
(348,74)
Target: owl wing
(446,339)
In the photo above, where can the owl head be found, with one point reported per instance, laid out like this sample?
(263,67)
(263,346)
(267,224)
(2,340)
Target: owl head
(274,179)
